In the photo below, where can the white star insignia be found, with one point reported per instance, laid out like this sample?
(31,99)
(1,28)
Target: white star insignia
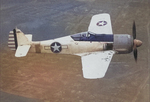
(56,47)
(101,23)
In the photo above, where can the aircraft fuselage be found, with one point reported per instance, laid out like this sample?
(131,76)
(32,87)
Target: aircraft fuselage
(66,45)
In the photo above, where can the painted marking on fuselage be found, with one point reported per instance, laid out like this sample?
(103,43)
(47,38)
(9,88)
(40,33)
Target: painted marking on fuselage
(64,47)
(38,48)
(47,47)
(56,47)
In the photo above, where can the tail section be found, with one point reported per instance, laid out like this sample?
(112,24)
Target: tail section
(12,41)
(19,42)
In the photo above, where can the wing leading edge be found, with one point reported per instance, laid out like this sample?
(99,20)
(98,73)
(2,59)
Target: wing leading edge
(95,65)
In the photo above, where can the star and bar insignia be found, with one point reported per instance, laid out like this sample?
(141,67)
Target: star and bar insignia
(56,47)
(101,23)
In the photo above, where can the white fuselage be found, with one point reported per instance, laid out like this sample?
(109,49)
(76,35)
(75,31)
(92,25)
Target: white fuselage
(68,46)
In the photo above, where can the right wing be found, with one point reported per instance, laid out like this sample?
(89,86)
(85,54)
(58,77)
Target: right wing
(95,65)
(100,24)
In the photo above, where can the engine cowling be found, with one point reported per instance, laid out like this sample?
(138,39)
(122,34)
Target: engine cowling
(123,43)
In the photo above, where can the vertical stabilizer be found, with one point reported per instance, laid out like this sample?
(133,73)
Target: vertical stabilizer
(19,42)
(21,38)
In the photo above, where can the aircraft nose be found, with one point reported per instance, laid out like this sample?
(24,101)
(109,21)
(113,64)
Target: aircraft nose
(138,43)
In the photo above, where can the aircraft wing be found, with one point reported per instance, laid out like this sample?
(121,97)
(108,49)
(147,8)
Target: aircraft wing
(22,50)
(95,65)
(100,24)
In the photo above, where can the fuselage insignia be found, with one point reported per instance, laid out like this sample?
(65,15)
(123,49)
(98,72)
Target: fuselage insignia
(56,47)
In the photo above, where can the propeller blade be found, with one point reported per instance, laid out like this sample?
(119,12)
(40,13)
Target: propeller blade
(134,30)
(135,54)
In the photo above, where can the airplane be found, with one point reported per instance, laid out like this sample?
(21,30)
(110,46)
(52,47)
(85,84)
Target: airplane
(95,46)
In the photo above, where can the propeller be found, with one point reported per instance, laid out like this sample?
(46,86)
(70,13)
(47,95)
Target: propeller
(136,43)
(134,30)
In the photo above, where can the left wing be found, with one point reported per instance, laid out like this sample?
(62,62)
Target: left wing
(95,65)
(100,24)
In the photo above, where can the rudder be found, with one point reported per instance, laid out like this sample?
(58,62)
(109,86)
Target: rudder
(12,40)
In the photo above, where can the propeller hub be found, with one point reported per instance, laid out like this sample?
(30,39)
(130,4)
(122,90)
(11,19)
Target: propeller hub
(137,43)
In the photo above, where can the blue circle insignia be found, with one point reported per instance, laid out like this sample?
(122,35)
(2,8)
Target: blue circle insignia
(56,47)
(101,23)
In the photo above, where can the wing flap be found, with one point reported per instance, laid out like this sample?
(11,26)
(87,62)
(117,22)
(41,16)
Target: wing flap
(95,65)
(22,50)
(100,24)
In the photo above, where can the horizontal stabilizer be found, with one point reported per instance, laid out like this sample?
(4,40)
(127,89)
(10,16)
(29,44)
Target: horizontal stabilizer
(22,50)
(29,36)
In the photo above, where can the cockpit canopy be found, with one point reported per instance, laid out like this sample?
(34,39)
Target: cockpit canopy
(88,36)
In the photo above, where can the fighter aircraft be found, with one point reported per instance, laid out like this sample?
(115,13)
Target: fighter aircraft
(95,46)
